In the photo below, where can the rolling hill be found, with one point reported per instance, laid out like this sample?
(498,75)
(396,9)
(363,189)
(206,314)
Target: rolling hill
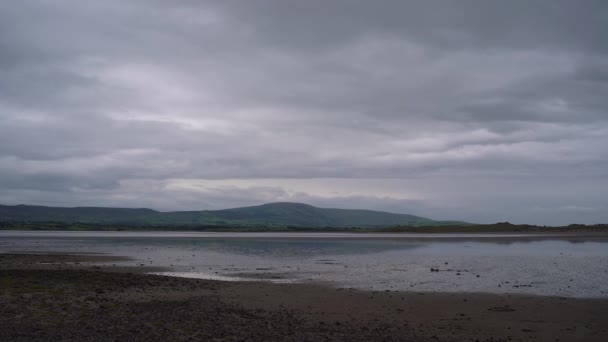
(267,215)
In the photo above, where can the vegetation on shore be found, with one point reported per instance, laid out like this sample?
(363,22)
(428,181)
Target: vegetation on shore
(500,227)
(503,227)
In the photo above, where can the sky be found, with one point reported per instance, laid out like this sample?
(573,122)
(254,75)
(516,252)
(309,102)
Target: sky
(482,111)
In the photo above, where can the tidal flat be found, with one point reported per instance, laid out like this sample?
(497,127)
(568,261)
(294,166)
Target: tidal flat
(99,286)
(59,297)
(564,265)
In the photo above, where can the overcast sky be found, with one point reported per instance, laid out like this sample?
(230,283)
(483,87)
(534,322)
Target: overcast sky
(482,111)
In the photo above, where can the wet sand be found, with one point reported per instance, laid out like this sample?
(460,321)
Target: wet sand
(64,298)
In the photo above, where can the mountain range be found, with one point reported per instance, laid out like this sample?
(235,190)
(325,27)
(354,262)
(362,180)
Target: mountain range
(283,214)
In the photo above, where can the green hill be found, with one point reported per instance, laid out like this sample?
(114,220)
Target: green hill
(267,215)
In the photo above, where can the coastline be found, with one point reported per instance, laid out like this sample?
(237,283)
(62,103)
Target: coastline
(482,236)
(63,298)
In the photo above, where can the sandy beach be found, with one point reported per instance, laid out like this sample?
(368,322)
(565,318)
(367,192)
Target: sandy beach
(64,298)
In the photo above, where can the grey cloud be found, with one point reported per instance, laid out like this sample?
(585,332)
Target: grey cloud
(455,25)
(105,102)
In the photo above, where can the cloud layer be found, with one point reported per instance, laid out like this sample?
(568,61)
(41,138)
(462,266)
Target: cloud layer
(473,110)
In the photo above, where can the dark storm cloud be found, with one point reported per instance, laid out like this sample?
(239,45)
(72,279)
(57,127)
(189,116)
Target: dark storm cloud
(472,110)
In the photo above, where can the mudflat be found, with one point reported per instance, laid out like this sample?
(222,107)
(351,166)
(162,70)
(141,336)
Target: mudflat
(57,297)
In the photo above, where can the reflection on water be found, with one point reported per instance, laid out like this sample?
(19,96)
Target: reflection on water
(289,248)
(481,263)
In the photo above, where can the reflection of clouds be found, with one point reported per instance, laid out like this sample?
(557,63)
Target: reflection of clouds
(397,264)
(307,247)
(297,248)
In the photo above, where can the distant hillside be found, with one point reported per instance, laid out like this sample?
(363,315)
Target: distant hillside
(266,215)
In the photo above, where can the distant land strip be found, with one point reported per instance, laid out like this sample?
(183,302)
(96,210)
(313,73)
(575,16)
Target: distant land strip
(278,215)
(503,227)
(271,217)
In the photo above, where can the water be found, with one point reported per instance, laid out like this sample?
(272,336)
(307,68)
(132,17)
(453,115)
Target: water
(568,266)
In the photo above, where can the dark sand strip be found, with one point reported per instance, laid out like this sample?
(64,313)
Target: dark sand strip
(53,298)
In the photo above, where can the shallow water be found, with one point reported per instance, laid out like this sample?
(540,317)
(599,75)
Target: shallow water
(568,266)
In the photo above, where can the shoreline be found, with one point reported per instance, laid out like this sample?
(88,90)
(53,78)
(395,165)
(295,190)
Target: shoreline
(482,236)
(60,297)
